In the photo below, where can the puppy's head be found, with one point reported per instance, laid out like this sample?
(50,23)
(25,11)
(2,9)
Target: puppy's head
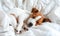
(34,17)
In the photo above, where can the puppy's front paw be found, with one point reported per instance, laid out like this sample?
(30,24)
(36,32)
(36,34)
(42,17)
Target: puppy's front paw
(18,31)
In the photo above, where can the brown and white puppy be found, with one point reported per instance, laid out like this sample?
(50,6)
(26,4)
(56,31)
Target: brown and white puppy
(37,18)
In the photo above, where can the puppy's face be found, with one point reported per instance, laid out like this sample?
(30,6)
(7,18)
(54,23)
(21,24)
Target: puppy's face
(36,17)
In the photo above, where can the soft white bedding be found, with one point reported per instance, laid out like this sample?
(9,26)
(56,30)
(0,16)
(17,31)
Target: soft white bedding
(49,7)
(47,29)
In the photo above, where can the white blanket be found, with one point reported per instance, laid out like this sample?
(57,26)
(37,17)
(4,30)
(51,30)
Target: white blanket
(47,29)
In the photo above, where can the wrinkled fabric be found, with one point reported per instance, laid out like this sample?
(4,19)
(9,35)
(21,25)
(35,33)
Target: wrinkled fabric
(47,29)
(5,29)
(47,7)
(54,15)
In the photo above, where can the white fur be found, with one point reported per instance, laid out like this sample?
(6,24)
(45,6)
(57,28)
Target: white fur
(37,18)
(33,21)
(13,21)
(22,14)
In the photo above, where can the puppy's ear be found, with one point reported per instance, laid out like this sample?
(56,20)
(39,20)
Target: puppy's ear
(34,10)
(46,20)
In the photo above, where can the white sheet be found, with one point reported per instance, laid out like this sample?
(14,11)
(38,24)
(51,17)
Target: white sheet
(47,29)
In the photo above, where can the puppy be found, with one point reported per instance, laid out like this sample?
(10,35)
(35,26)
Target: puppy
(38,16)
(21,15)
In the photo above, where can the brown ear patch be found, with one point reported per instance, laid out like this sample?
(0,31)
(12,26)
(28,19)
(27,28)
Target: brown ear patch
(34,10)
(40,21)
(46,20)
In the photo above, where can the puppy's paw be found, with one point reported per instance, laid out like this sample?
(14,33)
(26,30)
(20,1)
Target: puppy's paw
(17,31)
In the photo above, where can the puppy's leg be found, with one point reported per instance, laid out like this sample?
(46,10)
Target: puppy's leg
(14,22)
(20,23)
(21,19)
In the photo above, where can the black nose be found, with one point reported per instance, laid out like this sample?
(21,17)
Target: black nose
(30,25)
